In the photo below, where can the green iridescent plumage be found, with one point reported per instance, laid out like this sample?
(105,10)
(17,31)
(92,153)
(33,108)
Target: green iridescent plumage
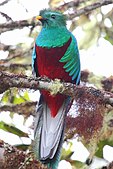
(71,57)
(53,37)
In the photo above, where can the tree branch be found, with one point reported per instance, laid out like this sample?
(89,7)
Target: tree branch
(4,47)
(17,25)
(26,108)
(89,8)
(13,66)
(4,2)
(13,158)
(71,4)
(8,18)
(20,81)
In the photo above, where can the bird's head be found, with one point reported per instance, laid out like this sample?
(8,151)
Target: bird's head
(50,18)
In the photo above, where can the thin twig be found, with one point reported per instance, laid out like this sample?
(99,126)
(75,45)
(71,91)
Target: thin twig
(8,18)
(4,2)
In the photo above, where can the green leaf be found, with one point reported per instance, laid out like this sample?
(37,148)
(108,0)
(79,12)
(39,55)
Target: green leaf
(18,99)
(101,145)
(67,153)
(109,38)
(11,115)
(23,147)
(21,98)
(78,164)
(12,129)
(5,98)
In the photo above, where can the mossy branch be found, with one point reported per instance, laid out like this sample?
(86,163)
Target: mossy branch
(13,158)
(26,108)
(9,80)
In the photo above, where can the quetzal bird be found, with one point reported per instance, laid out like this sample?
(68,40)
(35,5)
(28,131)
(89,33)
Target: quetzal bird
(56,56)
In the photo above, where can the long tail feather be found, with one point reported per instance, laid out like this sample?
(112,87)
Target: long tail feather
(37,131)
(49,133)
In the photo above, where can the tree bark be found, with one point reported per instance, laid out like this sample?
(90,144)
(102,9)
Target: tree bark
(9,80)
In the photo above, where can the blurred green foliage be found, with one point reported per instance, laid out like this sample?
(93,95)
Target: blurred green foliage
(12,129)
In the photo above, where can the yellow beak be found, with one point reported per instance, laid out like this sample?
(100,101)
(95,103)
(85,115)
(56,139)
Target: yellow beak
(39,17)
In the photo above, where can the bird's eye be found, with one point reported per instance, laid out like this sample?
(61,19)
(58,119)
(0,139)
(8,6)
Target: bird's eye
(53,16)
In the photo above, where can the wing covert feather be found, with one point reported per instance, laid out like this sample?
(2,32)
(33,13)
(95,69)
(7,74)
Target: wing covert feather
(72,59)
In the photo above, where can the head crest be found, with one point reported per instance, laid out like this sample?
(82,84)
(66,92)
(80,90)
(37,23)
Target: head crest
(53,17)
